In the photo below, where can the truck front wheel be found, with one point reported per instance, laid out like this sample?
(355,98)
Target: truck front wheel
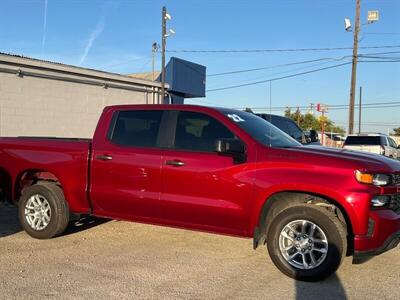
(43,211)
(307,242)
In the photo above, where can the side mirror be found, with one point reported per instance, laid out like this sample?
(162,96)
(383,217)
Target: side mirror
(313,136)
(233,147)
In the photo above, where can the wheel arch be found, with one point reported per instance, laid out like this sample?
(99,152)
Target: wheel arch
(30,177)
(278,201)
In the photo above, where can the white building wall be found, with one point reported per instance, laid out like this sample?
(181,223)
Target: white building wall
(34,106)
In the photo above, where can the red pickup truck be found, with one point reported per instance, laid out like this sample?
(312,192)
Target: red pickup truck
(212,169)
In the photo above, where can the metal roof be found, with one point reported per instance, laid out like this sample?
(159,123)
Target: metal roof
(11,58)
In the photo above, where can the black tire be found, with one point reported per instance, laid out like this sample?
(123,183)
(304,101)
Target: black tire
(334,230)
(59,216)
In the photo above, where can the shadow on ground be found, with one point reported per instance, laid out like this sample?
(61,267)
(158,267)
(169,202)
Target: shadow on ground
(9,223)
(330,288)
(83,224)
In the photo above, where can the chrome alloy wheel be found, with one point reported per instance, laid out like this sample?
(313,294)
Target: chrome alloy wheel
(303,244)
(37,212)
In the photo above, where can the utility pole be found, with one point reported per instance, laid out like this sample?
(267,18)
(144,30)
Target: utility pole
(322,108)
(298,115)
(354,68)
(323,128)
(359,111)
(163,44)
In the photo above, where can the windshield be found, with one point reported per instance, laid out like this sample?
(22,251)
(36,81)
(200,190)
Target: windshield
(261,130)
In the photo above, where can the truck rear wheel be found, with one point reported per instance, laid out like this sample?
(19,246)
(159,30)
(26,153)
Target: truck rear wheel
(307,242)
(43,211)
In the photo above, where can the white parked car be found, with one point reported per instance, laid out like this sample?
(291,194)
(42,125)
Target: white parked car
(374,143)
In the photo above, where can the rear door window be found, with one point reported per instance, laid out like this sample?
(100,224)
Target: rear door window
(136,128)
(280,123)
(294,131)
(286,125)
(363,140)
(392,143)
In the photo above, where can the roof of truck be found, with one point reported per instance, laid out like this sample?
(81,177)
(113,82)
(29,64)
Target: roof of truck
(368,134)
(168,107)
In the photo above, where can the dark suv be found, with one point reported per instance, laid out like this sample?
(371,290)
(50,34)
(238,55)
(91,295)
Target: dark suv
(291,128)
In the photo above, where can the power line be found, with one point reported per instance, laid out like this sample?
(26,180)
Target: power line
(380,61)
(369,124)
(367,107)
(281,50)
(379,57)
(331,109)
(330,106)
(288,76)
(390,52)
(365,55)
(239,71)
(278,73)
(376,53)
(270,109)
(277,78)
(249,70)
(382,33)
(273,67)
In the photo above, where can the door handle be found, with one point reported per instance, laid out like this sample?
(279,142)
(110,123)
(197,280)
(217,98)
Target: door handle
(104,157)
(175,163)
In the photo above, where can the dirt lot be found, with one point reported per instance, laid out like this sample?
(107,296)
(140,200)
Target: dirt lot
(103,260)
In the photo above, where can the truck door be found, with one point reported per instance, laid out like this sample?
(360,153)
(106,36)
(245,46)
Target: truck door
(125,173)
(200,188)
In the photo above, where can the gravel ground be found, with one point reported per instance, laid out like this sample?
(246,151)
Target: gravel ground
(103,260)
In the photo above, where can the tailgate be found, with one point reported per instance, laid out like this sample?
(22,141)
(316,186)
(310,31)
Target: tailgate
(364,148)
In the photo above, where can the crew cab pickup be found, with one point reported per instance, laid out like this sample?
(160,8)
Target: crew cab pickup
(373,143)
(211,169)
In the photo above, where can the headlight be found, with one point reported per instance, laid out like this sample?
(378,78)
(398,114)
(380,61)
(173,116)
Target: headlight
(375,179)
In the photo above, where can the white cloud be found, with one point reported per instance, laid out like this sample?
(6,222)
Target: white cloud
(98,30)
(92,38)
(44,24)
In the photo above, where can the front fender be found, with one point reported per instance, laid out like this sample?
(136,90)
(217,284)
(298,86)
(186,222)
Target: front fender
(351,197)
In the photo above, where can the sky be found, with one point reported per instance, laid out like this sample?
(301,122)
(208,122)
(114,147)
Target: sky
(116,36)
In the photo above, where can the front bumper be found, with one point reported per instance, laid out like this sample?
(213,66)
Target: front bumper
(384,234)
(392,242)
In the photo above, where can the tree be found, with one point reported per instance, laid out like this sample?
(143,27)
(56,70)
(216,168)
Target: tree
(396,131)
(288,112)
(309,121)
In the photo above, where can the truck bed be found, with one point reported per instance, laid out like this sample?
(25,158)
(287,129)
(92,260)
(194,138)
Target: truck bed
(65,139)
(61,159)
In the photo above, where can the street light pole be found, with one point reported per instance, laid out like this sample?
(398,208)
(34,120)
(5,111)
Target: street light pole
(354,68)
(154,49)
(163,44)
